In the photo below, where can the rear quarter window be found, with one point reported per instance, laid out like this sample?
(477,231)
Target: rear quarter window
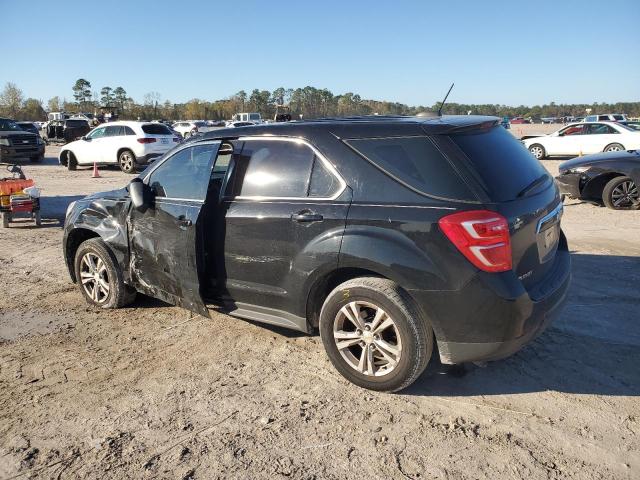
(415,162)
(155,129)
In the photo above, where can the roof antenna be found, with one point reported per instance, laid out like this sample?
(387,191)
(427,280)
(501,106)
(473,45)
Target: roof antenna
(445,99)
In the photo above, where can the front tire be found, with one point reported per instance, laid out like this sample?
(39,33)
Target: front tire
(72,162)
(99,277)
(127,161)
(614,147)
(538,151)
(621,193)
(374,334)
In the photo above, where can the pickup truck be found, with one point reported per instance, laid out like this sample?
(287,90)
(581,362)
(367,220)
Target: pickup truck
(18,143)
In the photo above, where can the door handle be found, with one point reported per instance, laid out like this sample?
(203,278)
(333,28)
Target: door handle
(306,217)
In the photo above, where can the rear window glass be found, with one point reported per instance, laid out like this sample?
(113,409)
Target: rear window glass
(502,162)
(155,129)
(77,123)
(416,162)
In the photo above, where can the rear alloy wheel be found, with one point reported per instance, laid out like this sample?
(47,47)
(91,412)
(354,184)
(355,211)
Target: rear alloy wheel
(614,147)
(621,193)
(537,151)
(99,277)
(374,334)
(127,161)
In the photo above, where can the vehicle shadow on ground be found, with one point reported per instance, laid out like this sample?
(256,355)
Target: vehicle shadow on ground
(54,208)
(593,347)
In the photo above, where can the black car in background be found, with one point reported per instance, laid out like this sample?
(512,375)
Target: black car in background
(17,143)
(386,234)
(67,130)
(609,178)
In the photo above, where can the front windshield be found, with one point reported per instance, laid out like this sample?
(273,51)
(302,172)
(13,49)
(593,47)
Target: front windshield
(9,125)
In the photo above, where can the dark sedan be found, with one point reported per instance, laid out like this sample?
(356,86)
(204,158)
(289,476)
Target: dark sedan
(609,178)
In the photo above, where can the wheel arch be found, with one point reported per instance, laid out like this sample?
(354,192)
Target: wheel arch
(73,241)
(122,149)
(595,186)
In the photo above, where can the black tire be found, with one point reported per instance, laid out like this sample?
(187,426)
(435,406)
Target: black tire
(37,218)
(5,218)
(621,193)
(538,151)
(37,158)
(127,161)
(413,329)
(72,162)
(193,132)
(614,147)
(119,294)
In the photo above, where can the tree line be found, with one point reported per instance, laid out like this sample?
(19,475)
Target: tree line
(307,102)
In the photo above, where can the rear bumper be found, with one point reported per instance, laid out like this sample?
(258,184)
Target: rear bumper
(569,184)
(10,153)
(485,321)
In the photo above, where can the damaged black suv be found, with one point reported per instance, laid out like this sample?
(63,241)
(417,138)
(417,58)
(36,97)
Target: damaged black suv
(389,235)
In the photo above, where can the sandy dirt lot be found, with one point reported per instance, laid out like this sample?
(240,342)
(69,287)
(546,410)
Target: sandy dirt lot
(153,391)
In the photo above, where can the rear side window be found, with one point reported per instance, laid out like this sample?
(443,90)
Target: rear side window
(503,164)
(155,129)
(323,184)
(128,131)
(272,169)
(415,162)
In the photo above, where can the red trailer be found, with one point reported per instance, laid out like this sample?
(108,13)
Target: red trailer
(18,196)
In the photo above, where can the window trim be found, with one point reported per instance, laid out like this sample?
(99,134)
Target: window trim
(300,141)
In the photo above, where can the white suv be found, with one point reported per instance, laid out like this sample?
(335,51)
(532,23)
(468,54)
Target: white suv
(189,128)
(127,144)
(606,117)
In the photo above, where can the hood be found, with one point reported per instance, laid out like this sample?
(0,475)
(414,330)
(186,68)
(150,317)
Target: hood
(11,133)
(599,157)
(111,194)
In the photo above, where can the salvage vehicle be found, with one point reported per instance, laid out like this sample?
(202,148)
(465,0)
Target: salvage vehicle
(611,179)
(130,145)
(583,138)
(66,130)
(389,235)
(16,143)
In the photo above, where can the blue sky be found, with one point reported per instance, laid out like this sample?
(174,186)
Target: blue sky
(510,52)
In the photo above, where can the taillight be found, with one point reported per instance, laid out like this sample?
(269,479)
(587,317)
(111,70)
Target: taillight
(146,140)
(482,236)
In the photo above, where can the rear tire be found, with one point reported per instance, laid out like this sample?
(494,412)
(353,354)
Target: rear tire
(127,161)
(614,147)
(621,193)
(376,357)
(5,217)
(72,163)
(538,151)
(96,265)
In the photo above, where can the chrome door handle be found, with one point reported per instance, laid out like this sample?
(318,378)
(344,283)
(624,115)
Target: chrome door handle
(306,217)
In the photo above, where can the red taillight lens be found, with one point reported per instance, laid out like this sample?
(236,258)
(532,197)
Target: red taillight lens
(482,236)
(146,140)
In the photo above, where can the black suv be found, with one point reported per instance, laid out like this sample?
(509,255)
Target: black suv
(15,142)
(388,234)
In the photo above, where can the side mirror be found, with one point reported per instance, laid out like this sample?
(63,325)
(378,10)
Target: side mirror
(86,139)
(140,194)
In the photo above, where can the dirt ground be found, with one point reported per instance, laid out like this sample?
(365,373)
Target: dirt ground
(153,391)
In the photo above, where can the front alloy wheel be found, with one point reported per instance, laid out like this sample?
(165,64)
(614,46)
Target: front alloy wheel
(367,338)
(621,193)
(537,151)
(94,278)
